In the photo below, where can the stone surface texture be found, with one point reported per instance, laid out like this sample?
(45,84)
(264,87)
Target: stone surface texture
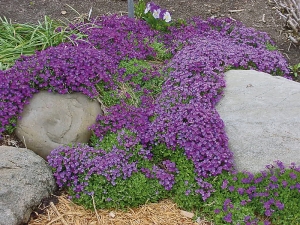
(25,179)
(262,119)
(51,120)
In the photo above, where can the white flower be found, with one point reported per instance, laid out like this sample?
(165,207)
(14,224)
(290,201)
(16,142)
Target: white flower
(167,17)
(156,13)
(147,8)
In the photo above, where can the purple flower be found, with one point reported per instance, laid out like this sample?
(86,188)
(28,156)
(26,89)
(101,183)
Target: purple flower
(227,203)
(187,192)
(268,212)
(224,184)
(279,205)
(243,202)
(241,191)
(228,218)
(273,178)
(247,218)
(284,183)
(293,176)
(231,188)
(217,211)
(268,203)
(258,180)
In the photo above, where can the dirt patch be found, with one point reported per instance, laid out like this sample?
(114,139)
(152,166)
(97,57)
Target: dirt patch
(260,14)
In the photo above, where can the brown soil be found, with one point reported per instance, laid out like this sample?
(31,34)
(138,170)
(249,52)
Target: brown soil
(260,14)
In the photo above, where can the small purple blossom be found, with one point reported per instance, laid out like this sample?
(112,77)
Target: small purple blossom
(228,218)
(284,183)
(279,205)
(231,188)
(217,211)
(243,202)
(224,184)
(241,191)
(187,192)
(273,178)
(269,212)
(293,176)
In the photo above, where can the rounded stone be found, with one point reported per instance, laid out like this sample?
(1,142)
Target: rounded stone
(51,120)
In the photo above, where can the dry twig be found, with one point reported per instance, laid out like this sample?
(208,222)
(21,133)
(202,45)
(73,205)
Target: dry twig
(289,10)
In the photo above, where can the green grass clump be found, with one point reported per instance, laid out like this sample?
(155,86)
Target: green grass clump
(24,39)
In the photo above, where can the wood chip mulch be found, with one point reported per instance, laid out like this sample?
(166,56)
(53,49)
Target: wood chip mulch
(65,212)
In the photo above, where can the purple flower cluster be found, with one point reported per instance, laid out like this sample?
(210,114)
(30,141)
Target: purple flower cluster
(265,192)
(72,162)
(135,119)
(165,174)
(119,36)
(240,38)
(165,178)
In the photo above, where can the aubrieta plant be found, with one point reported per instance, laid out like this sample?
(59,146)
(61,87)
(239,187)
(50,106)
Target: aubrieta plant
(161,135)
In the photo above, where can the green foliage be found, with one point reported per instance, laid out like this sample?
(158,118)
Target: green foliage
(131,192)
(161,52)
(139,9)
(11,126)
(185,178)
(295,70)
(138,73)
(142,76)
(108,141)
(108,96)
(271,47)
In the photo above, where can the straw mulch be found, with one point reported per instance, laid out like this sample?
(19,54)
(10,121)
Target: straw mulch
(68,213)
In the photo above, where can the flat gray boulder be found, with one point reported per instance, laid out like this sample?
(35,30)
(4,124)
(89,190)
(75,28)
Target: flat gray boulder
(25,179)
(51,120)
(262,119)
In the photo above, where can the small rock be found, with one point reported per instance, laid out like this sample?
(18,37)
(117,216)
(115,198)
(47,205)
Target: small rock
(187,214)
(198,220)
(112,215)
(63,12)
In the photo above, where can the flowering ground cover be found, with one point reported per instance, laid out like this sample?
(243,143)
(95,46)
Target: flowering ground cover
(160,136)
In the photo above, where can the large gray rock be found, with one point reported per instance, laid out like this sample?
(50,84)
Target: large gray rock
(262,119)
(51,120)
(25,179)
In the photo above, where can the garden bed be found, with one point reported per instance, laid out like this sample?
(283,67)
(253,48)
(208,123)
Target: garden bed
(151,120)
